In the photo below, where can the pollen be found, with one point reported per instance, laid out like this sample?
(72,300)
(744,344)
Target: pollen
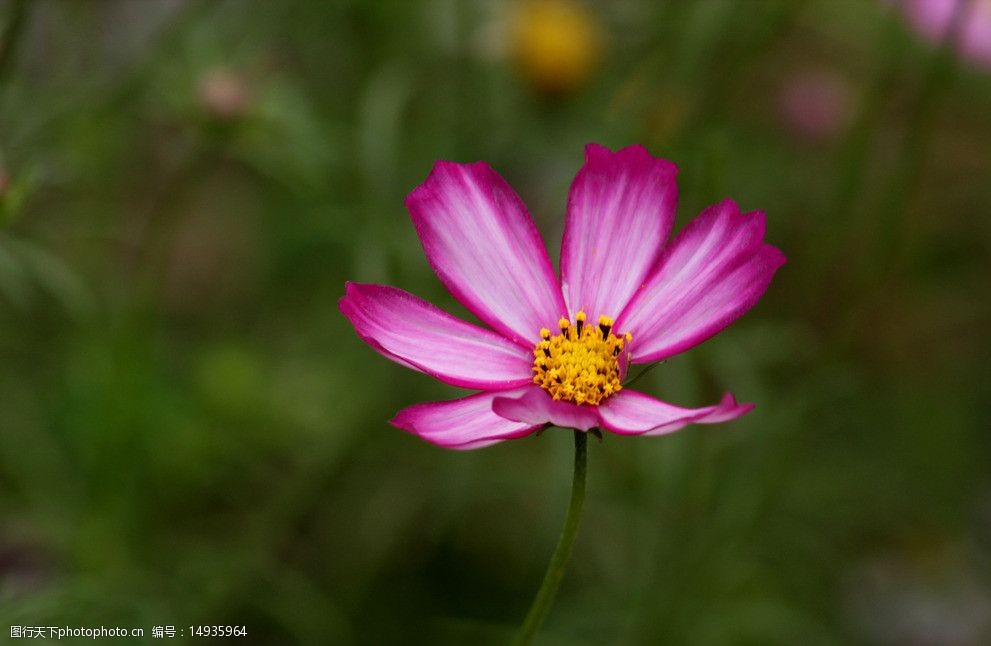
(581,364)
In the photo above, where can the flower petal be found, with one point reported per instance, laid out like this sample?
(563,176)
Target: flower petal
(629,412)
(716,269)
(466,423)
(535,406)
(416,334)
(934,20)
(482,243)
(620,211)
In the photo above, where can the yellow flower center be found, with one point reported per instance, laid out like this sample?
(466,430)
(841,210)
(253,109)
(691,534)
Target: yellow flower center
(581,364)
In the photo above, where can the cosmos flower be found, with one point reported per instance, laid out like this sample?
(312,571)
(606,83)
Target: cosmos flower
(558,352)
(933,20)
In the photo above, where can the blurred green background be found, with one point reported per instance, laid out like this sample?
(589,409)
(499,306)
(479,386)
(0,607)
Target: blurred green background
(191,432)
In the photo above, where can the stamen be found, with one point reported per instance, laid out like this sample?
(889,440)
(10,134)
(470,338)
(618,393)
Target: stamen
(581,364)
(605,324)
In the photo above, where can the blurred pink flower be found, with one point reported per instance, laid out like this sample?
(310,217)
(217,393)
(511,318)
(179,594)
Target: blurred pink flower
(651,300)
(933,19)
(815,104)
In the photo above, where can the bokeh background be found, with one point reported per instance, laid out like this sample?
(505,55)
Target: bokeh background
(191,433)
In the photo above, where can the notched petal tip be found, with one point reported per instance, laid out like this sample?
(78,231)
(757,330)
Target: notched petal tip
(443,171)
(399,421)
(404,422)
(594,151)
(633,155)
(632,412)
(347,305)
(348,287)
(774,257)
(727,207)
(729,409)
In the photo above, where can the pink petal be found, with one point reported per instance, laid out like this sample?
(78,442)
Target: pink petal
(934,19)
(629,412)
(716,269)
(620,211)
(481,242)
(931,17)
(416,334)
(466,423)
(537,407)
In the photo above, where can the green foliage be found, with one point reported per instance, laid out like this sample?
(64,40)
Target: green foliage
(191,433)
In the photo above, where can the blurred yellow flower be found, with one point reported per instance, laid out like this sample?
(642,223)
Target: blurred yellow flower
(557,44)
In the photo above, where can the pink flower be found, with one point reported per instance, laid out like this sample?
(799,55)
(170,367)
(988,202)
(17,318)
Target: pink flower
(557,353)
(934,18)
(815,104)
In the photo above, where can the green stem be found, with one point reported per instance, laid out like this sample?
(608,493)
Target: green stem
(555,569)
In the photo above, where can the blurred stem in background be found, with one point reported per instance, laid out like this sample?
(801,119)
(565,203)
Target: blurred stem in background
(892,235)
(559,561)
(10,32)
